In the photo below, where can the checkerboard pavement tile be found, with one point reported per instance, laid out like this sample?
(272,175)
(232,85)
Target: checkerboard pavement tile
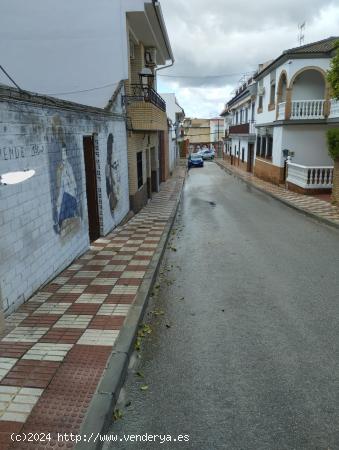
(107,322)
(48,352)
(6,365)
(61,338)
(133,274)
(110,309)
(31,373)
(25,334)
(92,298)
(16,403)
(52,308)
(73,321)
(104,281)
(98,337)
(15,319)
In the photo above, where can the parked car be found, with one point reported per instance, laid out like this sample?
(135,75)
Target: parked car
(207,154)
(195,160)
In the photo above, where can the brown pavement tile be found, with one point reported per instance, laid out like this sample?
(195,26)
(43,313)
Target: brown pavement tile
(40,320)
(83,308)
(95,289)
(125,299)
(31,373)
(50,288)
(129,281)
(6,429)
(62,335)
(13,350)
(28,307)
(107,322)
(63,298)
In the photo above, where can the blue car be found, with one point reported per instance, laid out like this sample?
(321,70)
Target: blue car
(195,160)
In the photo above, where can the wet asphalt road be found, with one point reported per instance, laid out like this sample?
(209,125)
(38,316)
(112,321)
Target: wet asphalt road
(246,354)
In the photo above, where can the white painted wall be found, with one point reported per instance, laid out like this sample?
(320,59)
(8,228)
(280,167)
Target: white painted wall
(57,47)
(291,67)
(309,85)
(308,143)
(32,247)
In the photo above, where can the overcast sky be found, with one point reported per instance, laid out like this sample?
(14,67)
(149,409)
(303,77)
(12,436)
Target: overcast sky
(224,37)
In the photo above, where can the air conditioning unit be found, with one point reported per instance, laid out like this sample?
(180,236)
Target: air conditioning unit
(151,57)
(261,90)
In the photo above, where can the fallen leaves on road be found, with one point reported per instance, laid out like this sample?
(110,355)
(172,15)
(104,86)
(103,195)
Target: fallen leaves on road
(117,415)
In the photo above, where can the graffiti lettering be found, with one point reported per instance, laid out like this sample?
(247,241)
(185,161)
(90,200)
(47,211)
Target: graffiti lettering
(19,152)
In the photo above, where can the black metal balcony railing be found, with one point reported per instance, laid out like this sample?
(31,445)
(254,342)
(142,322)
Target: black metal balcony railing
(139,93)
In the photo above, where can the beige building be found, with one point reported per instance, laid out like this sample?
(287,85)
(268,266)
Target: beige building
(148,158)
(197,132)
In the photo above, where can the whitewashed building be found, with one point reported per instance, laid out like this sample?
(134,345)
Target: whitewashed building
(293,111)
(175,116)
(65,149)
(239,123)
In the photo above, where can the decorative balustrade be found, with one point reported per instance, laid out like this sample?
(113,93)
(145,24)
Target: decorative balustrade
(138,92)
(281,111)
(307,109)
(334,111)
(310,177)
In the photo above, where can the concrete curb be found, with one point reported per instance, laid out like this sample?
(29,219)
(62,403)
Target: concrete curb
(100,412)
(285,202)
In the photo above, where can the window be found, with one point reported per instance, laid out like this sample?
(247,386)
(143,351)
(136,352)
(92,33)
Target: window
(261,101)
(253,112)
(139,169)
(258,145)
(263,147)
(242,154)
(269,147)
(237,117)
(261,92)
(241,116)
(272,88)
(246,115)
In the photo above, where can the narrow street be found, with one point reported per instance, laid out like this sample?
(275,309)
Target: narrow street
(244,348)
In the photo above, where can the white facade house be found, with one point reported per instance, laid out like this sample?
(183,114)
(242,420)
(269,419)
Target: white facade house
(293,111)
(239,117)
(73,140)
(78,50)
(175,116)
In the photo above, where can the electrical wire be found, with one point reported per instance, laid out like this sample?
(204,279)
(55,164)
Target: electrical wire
(86,90)
(10,78)
(205,76)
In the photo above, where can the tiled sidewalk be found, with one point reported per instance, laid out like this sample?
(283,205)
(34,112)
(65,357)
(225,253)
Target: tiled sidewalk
(58,343)
(307,203)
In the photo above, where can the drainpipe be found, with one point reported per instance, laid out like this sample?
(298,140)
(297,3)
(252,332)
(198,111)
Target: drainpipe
(155,2)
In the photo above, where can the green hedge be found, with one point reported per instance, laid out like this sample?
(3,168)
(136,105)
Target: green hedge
(333,143)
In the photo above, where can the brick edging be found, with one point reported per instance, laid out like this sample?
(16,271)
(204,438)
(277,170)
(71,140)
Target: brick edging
(100,412)
(282,200)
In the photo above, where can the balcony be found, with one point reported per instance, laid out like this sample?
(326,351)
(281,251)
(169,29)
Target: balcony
(308,110)
(306,177)
(143,93)
(243,128)
(145,108)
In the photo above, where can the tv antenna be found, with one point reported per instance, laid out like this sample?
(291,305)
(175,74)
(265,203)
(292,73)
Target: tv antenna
(301,35)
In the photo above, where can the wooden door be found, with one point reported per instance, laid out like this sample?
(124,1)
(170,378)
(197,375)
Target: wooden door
(250,158)
(91,189)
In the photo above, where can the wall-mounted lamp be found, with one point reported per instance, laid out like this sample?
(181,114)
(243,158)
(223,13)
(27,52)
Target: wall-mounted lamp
(146,76)
(16,177)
